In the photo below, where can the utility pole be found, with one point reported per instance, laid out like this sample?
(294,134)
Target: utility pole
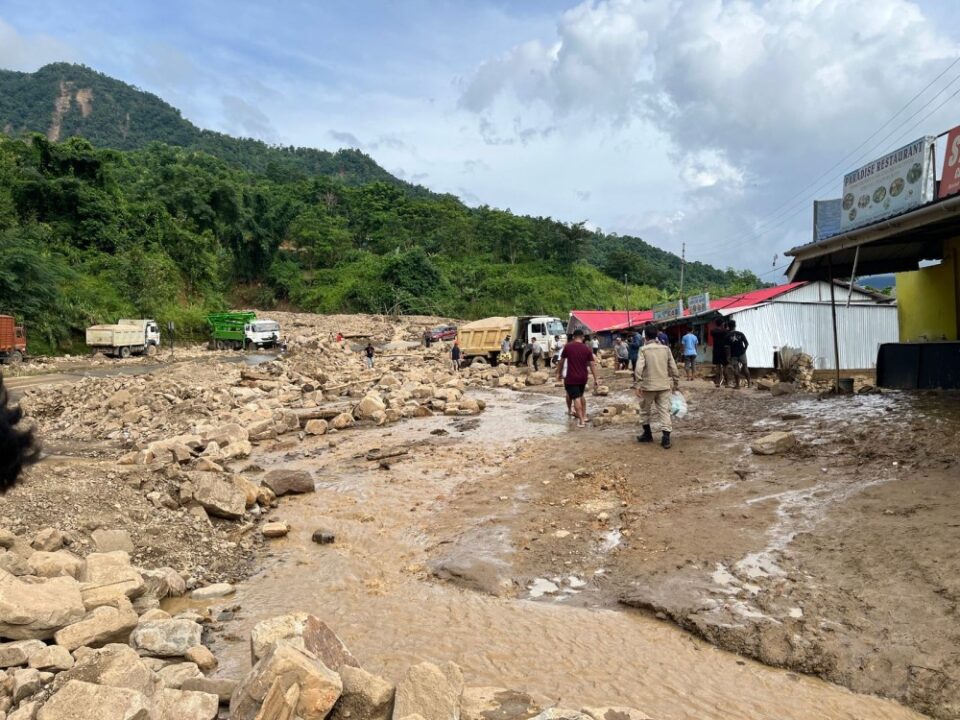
(683,264)
(626,294)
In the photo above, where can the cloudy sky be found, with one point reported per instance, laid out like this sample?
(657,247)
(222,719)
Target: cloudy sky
(710,122)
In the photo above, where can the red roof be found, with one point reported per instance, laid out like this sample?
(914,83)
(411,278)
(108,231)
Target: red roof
(606,320)
(610,320)
(754,297)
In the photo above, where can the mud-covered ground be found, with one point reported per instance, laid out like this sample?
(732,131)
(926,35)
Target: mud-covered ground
(837,559)
(840,558)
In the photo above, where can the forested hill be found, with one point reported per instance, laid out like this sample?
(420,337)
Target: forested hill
(64,100)
(146,215)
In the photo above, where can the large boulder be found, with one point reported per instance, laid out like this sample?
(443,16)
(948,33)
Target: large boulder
(285,482)
(221,687)
(113,666)
(53,564)
(107,577)
(38,610)
(163,582)
(175,674)
(304,632)
(317,426)
(78,700)
(774,443)
(430,691)
(281,669)
(110,540)
(17,653)
(219,496)
(365,696)
(368,407)
(186,705)
(225,435)
(165,638)
(53,658)
(102,625)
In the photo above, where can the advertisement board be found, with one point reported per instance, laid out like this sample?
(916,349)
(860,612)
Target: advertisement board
(890,185)
(950,181)
(668,311)
(697,304)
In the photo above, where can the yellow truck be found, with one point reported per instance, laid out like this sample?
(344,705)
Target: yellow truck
(481,341)
(128,337)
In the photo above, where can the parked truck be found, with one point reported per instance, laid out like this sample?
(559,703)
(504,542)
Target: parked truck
(242,330)
(13,340)
(481,340)
(128,337)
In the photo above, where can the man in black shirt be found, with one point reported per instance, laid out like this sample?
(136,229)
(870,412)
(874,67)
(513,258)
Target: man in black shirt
(738,354)
(721,353)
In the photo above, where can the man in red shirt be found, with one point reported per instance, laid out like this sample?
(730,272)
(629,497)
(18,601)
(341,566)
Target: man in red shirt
(578,360)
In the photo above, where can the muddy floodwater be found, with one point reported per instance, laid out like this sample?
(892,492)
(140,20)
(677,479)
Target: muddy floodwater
(374,588)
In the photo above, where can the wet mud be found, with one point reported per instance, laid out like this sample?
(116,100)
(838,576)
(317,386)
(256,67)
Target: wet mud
(512,544)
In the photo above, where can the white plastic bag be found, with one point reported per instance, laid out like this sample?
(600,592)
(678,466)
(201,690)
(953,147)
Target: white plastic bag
(678,404)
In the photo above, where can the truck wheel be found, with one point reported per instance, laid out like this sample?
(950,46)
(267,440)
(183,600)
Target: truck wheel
(151,350)
(15,357)
(124,352)
(237,345)
(479,360)
(219,344)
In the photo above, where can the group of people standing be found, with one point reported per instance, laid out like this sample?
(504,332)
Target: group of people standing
(730,355)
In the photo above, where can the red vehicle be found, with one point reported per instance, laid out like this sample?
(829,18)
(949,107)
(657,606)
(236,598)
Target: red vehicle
(13,340)
(444,332)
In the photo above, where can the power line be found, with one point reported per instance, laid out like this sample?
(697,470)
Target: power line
(768,224)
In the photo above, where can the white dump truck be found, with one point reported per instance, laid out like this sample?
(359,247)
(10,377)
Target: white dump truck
(128,337)
(481,340)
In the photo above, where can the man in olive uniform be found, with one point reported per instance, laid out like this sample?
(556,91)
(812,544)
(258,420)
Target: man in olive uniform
(656,375)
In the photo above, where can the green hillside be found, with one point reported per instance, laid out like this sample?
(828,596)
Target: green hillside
(152,217)
(63,100)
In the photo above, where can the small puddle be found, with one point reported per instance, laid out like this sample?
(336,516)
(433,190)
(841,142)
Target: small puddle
(371,587)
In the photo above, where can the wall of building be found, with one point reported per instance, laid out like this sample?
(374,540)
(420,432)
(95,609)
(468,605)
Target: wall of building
(928,299)
(808,326)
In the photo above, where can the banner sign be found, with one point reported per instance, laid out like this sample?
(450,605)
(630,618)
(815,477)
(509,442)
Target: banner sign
(950,182)
(668,311)
(890,185)
(698,303)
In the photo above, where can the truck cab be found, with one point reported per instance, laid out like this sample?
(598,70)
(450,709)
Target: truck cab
(540,328)
(262,333)
(151,331)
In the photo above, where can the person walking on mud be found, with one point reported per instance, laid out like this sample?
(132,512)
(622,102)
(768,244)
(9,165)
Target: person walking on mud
(536,353)
(576,361)
(505,354)
(455,356)
(690,342)
(368,353)
(657,375)
(738,354)
(636,342)
(721,353)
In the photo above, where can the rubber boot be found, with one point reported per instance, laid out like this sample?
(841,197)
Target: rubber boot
(665,442)
(647,434)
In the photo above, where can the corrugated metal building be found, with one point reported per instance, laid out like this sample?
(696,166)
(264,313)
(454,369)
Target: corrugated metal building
(795,314)
(799,317)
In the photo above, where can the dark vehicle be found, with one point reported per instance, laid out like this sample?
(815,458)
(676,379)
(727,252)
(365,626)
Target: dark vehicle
(444,332)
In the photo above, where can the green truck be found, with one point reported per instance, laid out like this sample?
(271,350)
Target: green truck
(242,330)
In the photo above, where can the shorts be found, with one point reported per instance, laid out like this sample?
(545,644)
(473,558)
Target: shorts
(688,361)
(575,391)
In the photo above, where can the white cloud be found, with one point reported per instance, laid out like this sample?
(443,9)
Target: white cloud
(29,52)
(753,98)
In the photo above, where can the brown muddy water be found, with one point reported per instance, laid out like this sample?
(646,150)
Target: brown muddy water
(372,588)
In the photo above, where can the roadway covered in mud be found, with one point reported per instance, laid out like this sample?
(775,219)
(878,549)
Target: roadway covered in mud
(576,565)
